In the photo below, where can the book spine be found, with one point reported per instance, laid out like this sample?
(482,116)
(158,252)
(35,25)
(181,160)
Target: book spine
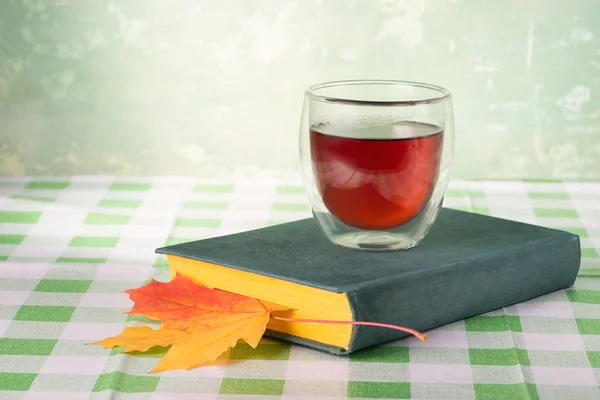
(453,292)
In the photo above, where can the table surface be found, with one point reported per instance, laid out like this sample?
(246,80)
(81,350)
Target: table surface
(70,247)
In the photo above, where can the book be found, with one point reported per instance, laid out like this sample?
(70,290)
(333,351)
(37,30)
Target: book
(467,265)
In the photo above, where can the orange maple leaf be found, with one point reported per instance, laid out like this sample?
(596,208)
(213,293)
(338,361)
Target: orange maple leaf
(198,323)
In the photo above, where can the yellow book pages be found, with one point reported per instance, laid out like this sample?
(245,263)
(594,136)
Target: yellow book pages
(307,302)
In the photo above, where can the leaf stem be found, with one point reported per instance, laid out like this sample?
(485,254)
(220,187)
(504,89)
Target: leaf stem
(421,336)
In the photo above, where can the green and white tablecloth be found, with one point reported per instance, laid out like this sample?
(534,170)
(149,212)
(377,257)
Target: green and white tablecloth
(70,247)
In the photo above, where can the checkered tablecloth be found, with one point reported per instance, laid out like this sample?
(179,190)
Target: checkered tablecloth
(70,247)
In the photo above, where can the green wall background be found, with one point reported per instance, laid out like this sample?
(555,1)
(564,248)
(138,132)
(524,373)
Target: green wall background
(215,87)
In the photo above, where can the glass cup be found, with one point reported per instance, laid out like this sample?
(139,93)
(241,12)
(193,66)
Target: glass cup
(375,159)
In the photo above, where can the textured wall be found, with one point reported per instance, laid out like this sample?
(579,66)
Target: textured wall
(194,87)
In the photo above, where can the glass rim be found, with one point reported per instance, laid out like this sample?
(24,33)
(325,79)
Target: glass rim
(443,93)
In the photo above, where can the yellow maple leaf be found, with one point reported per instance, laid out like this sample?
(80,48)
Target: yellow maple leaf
(198,323)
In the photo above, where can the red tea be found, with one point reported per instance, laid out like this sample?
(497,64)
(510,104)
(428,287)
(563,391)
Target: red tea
(377,177)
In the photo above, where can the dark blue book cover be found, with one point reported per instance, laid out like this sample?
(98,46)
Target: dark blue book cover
(467,265)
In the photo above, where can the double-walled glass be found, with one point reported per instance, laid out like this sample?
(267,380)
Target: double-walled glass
(375,159)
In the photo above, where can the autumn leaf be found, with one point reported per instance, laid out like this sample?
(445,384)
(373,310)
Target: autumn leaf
(199,323)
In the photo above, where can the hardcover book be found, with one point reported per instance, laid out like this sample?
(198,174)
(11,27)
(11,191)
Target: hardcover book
(467,265)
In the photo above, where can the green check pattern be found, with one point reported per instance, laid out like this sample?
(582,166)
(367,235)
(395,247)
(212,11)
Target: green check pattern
(70,247)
